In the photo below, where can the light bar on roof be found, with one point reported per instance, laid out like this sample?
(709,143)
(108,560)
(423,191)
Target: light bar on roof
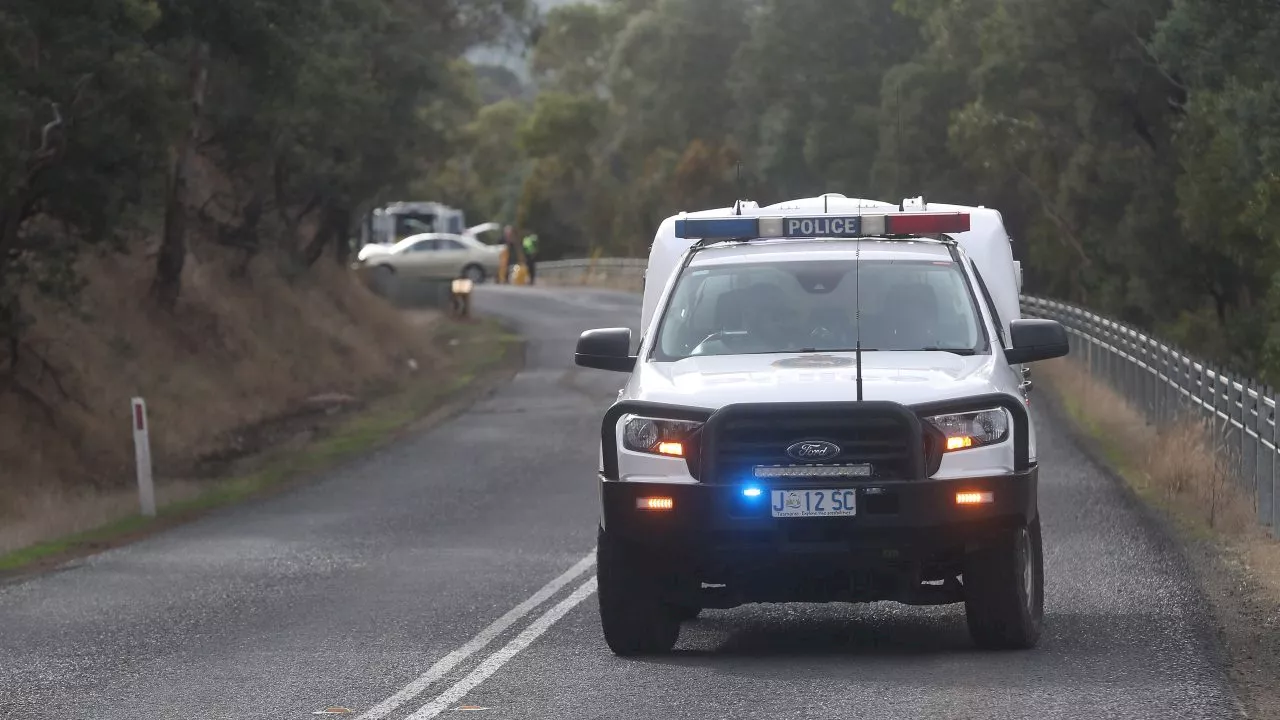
(707,228)
(821,226)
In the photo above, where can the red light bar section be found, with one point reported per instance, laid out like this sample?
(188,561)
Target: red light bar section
(926,223)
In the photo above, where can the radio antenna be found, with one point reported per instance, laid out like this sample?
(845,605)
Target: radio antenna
(738,182)
(897,139)
(857,315)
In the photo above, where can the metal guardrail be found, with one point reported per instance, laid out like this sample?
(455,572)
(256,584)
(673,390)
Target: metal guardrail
(1165,385)
(1156,378)
(601,263)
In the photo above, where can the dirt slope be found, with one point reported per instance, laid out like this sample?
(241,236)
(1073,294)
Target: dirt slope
(237,351)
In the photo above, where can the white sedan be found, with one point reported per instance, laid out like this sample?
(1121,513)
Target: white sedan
(434,256)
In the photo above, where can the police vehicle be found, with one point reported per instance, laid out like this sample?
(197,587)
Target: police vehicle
(826,404)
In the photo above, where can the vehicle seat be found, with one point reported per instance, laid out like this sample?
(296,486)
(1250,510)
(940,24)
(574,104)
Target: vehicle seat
(914,309)
(837,322)
(729,307)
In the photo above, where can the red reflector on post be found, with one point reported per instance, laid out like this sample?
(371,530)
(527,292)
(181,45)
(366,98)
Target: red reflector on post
(926,223)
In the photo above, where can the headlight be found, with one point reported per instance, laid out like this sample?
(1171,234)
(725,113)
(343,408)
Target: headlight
(972,429)
(658,437)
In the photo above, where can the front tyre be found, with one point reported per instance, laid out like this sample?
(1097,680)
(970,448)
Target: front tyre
(1004,591)
(633,616)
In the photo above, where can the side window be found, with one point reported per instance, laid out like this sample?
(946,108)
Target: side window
(451,245)
(991,305)
(426,245)
(702,317)
(955,306)
(696,310)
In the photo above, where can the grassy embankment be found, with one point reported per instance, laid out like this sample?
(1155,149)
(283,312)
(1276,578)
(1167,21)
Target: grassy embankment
(251,384)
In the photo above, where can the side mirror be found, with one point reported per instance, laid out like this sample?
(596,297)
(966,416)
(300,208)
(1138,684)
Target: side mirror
(606,349)
(1036,340)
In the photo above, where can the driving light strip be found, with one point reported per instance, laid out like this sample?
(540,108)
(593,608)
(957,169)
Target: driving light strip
(806,471)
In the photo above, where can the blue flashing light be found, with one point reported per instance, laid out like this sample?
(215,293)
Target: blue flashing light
(752,492)
(717,228)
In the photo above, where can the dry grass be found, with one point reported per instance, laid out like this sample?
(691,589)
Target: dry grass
(56,512)
(234,353)
(1176,465)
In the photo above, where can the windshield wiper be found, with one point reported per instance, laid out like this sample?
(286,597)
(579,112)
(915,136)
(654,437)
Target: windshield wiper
(957,351)
(830,350)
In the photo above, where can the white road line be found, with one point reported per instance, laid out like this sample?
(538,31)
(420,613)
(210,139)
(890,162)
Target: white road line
(484,637)
(491,664)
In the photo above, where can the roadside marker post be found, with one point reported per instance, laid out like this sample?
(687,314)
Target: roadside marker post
(142,455)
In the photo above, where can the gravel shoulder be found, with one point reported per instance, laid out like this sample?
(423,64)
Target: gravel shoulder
(1237,575)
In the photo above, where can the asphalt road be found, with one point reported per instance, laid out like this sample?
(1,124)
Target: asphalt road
(453,569)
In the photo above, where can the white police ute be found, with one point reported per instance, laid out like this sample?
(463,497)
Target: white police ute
(826,405)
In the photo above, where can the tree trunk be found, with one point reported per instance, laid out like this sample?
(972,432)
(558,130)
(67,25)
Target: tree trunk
(333,224)
(167,284)
(342,241)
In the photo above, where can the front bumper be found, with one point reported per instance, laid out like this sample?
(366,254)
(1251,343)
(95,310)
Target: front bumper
(904,532)
(906,542)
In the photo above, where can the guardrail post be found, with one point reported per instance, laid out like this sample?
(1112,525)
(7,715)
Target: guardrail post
(1113,359)
(142,456)
(1272,517)
(1248,441)
(1221,427)
(1121,368)
(1091,348)
(1261,464)
(1131,380)
(1131,370)
(1152,384)
(1230,441)
(1162,377)
(1149,378)
(1266,453)
(1206,400)
(1142,386)
(1242,441)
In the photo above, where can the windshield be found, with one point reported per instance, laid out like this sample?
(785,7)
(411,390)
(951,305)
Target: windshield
(807,306)
(414,223)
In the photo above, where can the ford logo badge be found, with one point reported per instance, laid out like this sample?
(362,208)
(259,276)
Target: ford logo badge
(813,450)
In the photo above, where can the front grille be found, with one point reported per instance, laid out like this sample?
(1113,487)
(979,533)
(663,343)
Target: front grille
(882,439)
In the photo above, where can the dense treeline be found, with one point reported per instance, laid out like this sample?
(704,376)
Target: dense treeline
(268,125)
(1133,145)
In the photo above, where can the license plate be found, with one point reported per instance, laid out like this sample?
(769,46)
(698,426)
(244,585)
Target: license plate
(814,503)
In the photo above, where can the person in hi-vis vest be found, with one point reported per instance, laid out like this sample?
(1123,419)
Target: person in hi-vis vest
(531,256)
